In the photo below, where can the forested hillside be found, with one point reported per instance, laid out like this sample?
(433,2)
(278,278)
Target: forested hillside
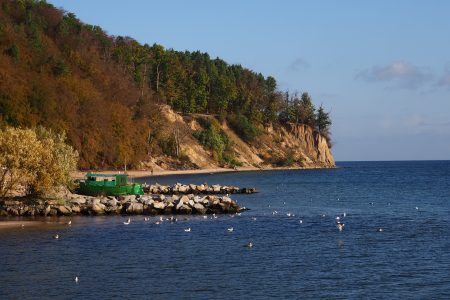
(107,92)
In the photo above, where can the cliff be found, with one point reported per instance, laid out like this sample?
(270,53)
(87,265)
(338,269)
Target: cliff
(293,145)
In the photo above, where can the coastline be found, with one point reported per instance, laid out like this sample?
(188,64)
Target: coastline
(147,173)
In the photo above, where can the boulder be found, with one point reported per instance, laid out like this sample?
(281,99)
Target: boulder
(184,209)
(78,201)
(200,209)
(134,208)
(76,209)
(64,210)
(112,202)
(97,208)
(159,205)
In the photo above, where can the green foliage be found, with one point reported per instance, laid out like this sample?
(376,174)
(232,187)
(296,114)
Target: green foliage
(285,161)
(13,51)
(60,68)
(102,90)
(243,127)
(214,139)
(38,160)
(168,146)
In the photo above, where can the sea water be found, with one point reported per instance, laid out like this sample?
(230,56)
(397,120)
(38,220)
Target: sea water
(395,242)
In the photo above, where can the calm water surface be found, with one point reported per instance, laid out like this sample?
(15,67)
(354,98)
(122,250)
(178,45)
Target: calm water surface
(409,259)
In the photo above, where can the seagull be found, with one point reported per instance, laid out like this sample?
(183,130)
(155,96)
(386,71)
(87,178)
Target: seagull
(254,218)
(205,217)
(76,279)
(187,229)
(249,245)
(146,219)
(289,214)
(380,230)
(323,215)
(157,223)
(344,214)
(417,208)
(301,221)
(214,216)
(338,218)
(127,222)
(56,236)
(161,219)
(340,226)
(69,223)
(230,229)
(284,203)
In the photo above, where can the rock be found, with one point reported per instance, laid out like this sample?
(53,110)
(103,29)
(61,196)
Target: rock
(226,199)
(78,201)
(76,209)
(159,205)
(200,208)
(184,209)
(112,202)
(191,203)
(64,210)
(184,199)
(215,188)
(135,208)
(127,198)
(97,208)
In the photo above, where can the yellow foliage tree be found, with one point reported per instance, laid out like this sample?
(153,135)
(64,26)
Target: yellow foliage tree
(36,159)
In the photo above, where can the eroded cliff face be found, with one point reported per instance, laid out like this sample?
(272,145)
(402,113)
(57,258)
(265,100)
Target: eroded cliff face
(297,146)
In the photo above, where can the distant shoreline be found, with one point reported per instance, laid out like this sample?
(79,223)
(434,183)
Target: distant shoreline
(155,173)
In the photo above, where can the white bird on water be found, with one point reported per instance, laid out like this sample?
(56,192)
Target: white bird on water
(187,229)
(69,223)
(127,222)
(301,221)
(76,279)
(249,245)
(230,229)
(56,236)
(380,230)
(205,217)
(146,219)
(340,226)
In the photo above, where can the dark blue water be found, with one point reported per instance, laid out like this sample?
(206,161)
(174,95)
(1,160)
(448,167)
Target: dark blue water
(409,259)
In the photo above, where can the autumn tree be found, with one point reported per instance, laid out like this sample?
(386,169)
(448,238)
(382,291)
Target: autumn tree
(37,160)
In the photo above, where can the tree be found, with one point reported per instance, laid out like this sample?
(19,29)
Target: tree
(323,121)
(38,160)
(307,110)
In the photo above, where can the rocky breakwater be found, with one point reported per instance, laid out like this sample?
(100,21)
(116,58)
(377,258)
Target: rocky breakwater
(180,188)
(128,205)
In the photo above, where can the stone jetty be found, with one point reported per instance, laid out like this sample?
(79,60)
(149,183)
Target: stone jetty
(180,188)
(156,204)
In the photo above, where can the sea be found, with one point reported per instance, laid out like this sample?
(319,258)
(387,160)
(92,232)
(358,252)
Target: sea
(395,243)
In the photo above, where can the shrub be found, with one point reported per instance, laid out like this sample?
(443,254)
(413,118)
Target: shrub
(38,160)
(213,138)
(243,127)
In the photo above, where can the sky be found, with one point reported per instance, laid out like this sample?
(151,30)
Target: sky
(382,68)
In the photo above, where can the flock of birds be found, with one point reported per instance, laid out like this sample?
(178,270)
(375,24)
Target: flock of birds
(339,222)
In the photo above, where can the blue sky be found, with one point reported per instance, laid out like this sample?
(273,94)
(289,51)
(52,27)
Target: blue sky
(381,67)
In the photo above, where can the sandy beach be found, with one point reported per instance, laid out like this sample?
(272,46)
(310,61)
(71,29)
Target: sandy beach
(5,224)
(147,173)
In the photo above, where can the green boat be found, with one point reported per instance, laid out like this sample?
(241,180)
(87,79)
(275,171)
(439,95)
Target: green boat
(108,185)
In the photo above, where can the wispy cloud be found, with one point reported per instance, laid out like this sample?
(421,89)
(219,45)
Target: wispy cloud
(400,74)
(299,64)
(444,81)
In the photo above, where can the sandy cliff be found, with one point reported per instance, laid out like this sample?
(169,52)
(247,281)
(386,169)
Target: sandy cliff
(283,146)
